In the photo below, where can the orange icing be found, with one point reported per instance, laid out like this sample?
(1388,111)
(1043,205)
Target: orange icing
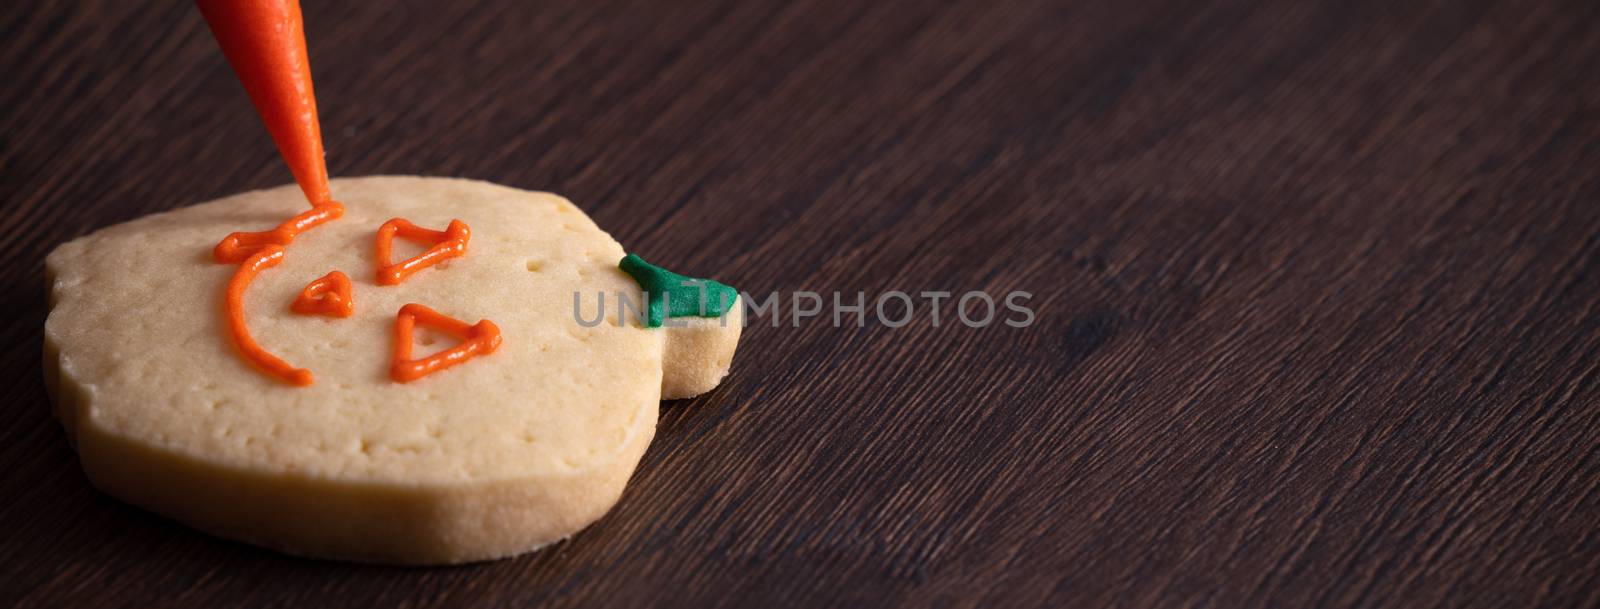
(329,296)
(265,258)
(478,339)
(238,246)
(446,244)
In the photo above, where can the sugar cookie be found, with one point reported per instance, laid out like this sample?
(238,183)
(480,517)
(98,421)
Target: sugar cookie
(515,446)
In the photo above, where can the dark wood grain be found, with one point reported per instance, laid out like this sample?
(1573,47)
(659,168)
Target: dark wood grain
(1316,284)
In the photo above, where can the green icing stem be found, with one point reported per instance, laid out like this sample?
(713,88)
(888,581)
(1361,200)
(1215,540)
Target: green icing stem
(674,295)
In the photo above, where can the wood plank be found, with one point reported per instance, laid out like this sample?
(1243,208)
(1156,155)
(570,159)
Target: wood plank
(1315,286)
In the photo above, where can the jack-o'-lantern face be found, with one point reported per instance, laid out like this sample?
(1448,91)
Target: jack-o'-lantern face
(331,295)
(429,259)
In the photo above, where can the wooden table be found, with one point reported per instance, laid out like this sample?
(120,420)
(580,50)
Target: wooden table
(1315,283)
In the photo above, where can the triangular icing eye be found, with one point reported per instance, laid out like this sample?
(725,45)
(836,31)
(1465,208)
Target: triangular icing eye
(481,338)
(328,296)
(446,244)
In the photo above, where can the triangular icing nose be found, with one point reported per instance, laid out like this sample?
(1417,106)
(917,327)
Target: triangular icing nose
(446,244)
(481,338)
(329,296)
